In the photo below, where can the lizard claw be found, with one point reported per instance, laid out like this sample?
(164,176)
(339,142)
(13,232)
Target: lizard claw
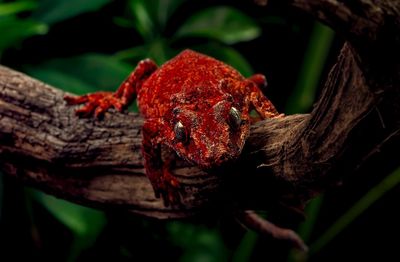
(168,188)
(85,111)
(95,104)
(170,198)
(75,100)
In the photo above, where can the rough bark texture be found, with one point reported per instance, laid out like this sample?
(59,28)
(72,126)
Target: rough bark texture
(99,163)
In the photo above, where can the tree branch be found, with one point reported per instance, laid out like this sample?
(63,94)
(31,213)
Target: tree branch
(85,160)
(99,163)
(363,22)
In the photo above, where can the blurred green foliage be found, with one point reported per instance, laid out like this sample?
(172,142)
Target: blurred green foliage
(217,27)
(75,74)
(54,11)
(373,195)
(13,28)
(85,223)
(245,249)
(310,73)
(217,30)
(198,242)
(222,23)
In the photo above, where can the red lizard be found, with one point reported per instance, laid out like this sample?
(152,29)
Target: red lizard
(196,105)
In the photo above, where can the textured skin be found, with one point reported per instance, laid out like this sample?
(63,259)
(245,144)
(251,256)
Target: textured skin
(198,92)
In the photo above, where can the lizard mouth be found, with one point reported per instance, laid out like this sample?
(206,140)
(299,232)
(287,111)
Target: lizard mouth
(222,159)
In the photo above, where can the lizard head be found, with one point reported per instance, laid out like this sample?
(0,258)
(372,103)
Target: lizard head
(210,134)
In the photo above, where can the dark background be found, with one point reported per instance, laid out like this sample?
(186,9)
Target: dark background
(85,38)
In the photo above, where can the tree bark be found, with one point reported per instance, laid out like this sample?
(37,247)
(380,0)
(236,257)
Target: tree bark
(99,163)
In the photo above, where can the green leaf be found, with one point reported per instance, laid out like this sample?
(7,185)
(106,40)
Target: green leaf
(14,30)
(301,100)
(79,219)
(246,247)
(143,19)
(310,73)
(372,196)
(136,53)
(151,16)
(312,210)
(82,74)
(16,7)
(53,11)
(228,55)
(225,24)
(165,10)
(306,228)
(85,223)
(198,242)
(123,22)
(157,50)
(60,79)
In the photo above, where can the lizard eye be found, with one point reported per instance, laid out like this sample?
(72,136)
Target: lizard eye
(234,118)
(180,132)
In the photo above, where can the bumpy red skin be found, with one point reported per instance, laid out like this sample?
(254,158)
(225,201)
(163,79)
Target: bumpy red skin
(197,90)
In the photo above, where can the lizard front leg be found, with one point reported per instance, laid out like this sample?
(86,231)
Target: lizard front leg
(158,171)
(97,103)
(258,100)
